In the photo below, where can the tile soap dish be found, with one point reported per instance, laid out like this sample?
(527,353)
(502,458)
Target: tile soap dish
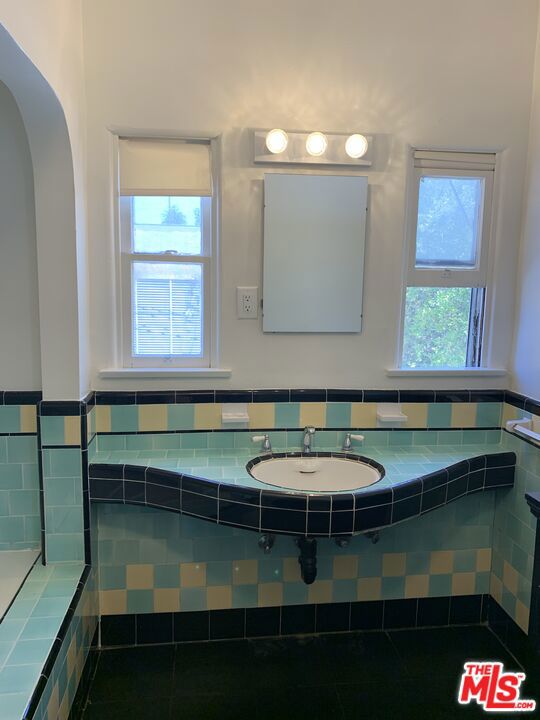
(390,413)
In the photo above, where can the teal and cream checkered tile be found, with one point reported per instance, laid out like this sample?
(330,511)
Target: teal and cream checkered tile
(488,414)
(439,415)
(338,415)
(10,418)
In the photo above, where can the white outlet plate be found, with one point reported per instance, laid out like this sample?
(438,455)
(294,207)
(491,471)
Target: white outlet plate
(247,302)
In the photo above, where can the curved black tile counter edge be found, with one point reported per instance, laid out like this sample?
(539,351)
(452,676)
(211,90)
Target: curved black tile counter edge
(298,514)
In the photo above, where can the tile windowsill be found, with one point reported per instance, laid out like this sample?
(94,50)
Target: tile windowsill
(176,372)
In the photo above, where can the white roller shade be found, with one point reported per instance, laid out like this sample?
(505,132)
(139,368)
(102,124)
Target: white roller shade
(165,167)
(454,160)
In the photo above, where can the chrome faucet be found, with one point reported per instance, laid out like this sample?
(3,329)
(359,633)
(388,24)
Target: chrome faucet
(309,432)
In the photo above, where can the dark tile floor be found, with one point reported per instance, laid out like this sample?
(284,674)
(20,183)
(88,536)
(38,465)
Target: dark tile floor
(403,673)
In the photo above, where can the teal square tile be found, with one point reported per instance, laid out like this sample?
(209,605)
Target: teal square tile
(440,585)
(112,577)
(244,596)
(400,437)
(3,450)
(140,601)
(139,442)
(181,417)
(11,476)
(270,569)
(11,530)
(482,582)
(338,415)
(29,652)
(493,437)
(62,491)
(190,599)
(167,576)
(167,441)
(376,438)
(393,588)
(287,415)
(111,442)
(15,703)
(63,462)
(221,440)
(11,628)
(191,441)
(218,573)
(488,414)
(10,419)
(464,560)
(344,591)
(14,680)
(424,437)
(40,629)
(52,430)
(295,593)
(418,563)
(450,437)
(64,548)
(24,502)
(325,439)
(4,503)
(439,415)
(21,449)
(370,565)
(30,476)
(124,418)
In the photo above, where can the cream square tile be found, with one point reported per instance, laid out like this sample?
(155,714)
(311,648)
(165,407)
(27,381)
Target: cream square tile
(496,588)
(522,616)
(320,591)
(369,588)
(166,600)
(312,413)
(208,416)
(28,419)
(245,572)
(363,415)
(71,657)
(139,577)
(153,418)
(291,570)
(262,415)
(509,412)
(345,567)
(483,560)
(72,430)
(416,586)
(463,415)
(270,594)
(441,562)
(416,414)
(219,597)
(510,578)
(394,564)
(103,418)
(463,583)
(53,705)
(113,602)
(192,574)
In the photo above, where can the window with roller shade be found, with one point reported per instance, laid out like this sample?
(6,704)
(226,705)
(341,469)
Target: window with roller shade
(166,248)
(449,227)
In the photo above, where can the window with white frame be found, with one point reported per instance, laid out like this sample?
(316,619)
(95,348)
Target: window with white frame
(449,223)
(167,245)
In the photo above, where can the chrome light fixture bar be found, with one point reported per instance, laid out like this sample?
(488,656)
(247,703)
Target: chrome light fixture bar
(279,146)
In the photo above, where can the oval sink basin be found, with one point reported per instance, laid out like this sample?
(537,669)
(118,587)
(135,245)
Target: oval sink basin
(315,474)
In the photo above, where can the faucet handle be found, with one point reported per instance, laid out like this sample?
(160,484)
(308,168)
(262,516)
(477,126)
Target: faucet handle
(265,439)
(349,437)
(309,429)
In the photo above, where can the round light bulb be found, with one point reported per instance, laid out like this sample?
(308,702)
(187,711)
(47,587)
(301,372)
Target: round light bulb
(316,143)
(277,141)
(356,146)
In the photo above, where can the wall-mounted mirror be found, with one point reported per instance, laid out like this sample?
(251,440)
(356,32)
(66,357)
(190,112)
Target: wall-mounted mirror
(314,238)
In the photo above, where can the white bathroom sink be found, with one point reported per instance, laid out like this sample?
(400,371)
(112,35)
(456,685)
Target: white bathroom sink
(315,474)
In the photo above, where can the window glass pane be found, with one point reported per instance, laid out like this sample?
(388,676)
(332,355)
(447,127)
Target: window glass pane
(167,306)
(167,223)
(437,329)
(449,221)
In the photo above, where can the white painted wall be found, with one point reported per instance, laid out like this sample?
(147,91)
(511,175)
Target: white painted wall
(20,366)
(425,72)
(50,36)
(526,361)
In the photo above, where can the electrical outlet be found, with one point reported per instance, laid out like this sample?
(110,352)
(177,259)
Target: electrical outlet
(247,305)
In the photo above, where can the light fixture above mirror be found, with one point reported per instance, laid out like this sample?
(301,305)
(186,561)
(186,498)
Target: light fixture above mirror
(312,147)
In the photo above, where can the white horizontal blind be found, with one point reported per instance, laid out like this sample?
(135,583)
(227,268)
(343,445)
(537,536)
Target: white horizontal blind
(167,317)
(165,167)
(454,160)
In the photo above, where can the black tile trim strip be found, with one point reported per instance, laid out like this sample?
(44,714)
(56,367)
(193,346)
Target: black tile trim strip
(525,648)
(42,530)
(56,647)
(17,434)
(533,501)
(285,395)
(244,623)
(58,408)
(20,397)
(298,429)
(289,513)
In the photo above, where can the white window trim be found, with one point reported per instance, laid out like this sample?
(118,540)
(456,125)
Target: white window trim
(123,361)
(481,276)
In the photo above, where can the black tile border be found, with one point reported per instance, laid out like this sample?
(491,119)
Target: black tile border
(48,667)
(525,648)
(290,513)
(284,620)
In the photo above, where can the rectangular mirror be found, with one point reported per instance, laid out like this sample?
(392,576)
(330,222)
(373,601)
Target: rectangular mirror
(314,239)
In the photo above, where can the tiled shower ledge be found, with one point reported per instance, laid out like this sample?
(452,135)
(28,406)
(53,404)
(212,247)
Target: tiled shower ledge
(29,631)
(214,484)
